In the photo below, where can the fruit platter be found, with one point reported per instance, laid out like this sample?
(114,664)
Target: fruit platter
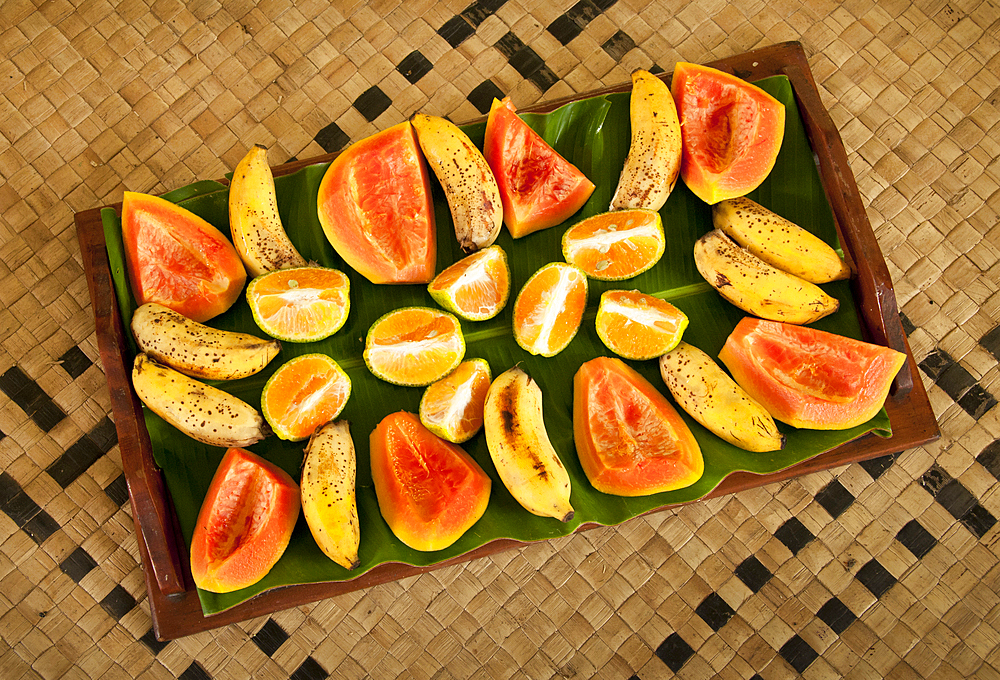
(540,386)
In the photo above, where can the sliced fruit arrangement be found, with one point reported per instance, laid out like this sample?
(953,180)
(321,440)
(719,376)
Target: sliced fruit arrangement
(178,259)
(615,245)
(329,502)
(303,394)
(468,183)
(637,326)
(538,187)
(732,132)
(197,350)
(202,412)
(630,440)
(810,378)
(256,227)
(300,305)
(779,242)
(452,407)
(549,308)
(476,287)
(414,346)
(245,522)
(374,204)
(654,155)
(520,447)
(710,396)
(429,491)
(756,287)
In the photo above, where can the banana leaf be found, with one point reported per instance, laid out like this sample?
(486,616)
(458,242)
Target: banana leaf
(593,134)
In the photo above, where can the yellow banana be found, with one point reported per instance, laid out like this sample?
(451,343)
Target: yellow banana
(197,350)
(258,234)
(755,286)
(328,499)
(779,242)
(714,399)
(654,156)
(468,183)
(519,445)
(202,412)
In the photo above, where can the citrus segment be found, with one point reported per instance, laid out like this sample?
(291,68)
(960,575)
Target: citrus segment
(548,310)
(615,245)
(304,393)
(637,326)
(300,305)
(452,408)
(414,346)
(476,287)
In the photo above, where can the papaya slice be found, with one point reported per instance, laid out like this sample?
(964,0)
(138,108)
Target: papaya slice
(731,132)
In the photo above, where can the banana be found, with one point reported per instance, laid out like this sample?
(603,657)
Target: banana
(779,242)
(328,499)
(755,286)
(520,447)
(258,235)
(714,399)
(654,156)
(197,350)
(202,412)
(469,185)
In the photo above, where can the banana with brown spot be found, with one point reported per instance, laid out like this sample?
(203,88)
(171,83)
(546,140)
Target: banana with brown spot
(756,287)
(197,350)
(714,399)
(778,241)
(259,236)
(202,412)
(329,503)
(654,156)
(518,442)
(467,180)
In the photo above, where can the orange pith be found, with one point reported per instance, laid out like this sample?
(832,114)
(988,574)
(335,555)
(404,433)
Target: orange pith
(637,326)
(476,287)
(304,393)
(615,245)
(303,304)
(414,346)
(548,310)
(452,408)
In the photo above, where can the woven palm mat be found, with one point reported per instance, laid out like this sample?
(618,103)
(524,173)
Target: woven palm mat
(888,568)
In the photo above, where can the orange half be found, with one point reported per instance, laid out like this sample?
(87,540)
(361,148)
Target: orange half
(303,304)
(637,326)
(304,393)
(452,408)
(615,245)
(476,287)
(414,346)
(548,310)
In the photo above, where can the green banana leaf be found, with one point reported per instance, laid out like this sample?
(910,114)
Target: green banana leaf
(593,134)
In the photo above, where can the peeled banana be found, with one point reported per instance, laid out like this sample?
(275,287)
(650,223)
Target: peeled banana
(328,498)
(779,242)
(519,445)
(258,234)
(654,156)
(197,350)
(755,286)
(467,180)
(202,412)
(714,399)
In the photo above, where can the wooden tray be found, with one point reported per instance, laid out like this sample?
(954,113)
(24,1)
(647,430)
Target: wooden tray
(173,600)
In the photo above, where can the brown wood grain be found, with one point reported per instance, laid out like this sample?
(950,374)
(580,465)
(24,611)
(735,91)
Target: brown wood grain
(174,604)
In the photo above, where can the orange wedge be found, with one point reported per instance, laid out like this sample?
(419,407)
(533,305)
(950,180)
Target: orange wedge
(615,245)
(452,407)
(637,326)
(303,304)
(476,287)
(414,346)
(548,310)
(304,393)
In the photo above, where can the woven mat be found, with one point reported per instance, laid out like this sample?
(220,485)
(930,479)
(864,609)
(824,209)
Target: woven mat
(883,569)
